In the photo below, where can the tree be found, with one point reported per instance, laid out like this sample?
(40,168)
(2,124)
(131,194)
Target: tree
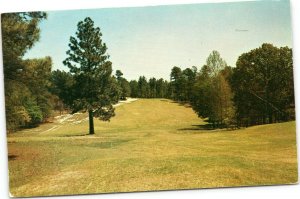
(226,109)
(203,94)
(143,87)
(94,88)
(36,74)
(215,63)
(61,86)
(152,87)
(263,85)
(162,88)
(134,88)
(123,84)
(212,95)
(119,74)
(177,83)
(189,78)
(19,33)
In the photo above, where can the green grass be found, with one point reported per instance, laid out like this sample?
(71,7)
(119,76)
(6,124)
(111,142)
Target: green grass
(151,144)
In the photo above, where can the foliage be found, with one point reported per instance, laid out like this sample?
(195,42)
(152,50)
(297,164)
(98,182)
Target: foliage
(134,88)
(143,87)
(94,89)
(263,85)
(36,74)
(212,93)
(34,112)
(182,83)
(61,84)
(123,84)
(152,88)
(259,90)
(27,100)
(176,83)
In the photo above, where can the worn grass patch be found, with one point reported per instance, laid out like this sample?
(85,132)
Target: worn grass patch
(151,144)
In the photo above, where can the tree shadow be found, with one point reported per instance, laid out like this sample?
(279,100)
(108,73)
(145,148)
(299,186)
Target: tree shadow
(77,135)
(198,127)
(208,127)
(12,157)
(165,100)
(110,144)
(185,104)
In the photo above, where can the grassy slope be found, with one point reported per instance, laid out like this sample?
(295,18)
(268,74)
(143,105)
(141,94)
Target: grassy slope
(150,145)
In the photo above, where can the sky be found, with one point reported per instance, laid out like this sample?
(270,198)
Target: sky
(150,41)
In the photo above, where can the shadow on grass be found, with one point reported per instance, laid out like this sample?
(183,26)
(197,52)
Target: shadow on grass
(78,135)
(110,144)
(165,100)
(207,128)
(185,104)
(97,143)
(12,157)
(198,127)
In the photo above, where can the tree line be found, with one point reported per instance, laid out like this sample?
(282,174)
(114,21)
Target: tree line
(27,98)
(258,90)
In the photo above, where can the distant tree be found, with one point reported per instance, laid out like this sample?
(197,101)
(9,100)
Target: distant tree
(61,86)
(134,88)
(119,75)
(126,90)
(189,78)
(176,83)
(143,87)
(152,87)
(94,88)
(215,63)
(162,88)
(263,85)
(203,94)
(123,84)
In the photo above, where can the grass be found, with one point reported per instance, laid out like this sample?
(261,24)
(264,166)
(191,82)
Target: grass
(151,144)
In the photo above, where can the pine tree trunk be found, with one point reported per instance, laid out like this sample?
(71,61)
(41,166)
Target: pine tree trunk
(91,122)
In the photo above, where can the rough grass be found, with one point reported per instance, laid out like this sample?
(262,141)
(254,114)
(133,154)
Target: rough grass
(151,144)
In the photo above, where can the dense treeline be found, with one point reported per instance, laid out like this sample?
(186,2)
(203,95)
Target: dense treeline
(27,98)
(263,86)
(258,90)
(153,88)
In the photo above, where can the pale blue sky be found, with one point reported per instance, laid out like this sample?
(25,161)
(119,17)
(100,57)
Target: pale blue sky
(151,40)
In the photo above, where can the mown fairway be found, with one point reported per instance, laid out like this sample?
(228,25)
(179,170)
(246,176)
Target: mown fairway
(151,144)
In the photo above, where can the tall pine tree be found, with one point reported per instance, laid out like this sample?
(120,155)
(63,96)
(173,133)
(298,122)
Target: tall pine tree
(94,89)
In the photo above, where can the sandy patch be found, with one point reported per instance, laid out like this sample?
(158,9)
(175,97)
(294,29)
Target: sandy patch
(69,118)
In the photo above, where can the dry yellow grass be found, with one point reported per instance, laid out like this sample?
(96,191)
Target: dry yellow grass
(151,144)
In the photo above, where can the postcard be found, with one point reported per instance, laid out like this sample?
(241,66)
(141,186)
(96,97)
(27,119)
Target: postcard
(149,98)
